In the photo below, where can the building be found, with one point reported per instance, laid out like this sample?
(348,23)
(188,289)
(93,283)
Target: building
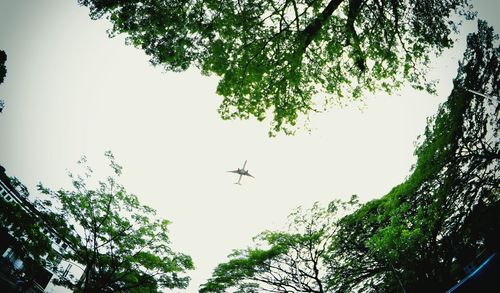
(14,198)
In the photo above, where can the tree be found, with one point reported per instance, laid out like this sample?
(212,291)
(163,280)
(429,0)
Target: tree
(290,57)
(3,73)
(291,261)
(419,236)
(3,69)
(26,229)
(23,222)
(123,246)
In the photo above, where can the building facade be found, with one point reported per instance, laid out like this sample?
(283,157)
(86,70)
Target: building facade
(14,199)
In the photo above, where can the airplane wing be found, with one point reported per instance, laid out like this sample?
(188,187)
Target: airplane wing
(234,171)
(244,165)
(248,174)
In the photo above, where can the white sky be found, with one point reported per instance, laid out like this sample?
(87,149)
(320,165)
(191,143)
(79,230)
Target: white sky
(70,90)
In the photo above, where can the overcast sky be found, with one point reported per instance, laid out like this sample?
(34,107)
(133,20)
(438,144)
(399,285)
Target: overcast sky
(70,90)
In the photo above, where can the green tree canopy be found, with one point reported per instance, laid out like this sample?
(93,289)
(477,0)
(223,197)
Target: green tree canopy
(26,228)
(283,261)
(286,58)
(419,235)
(122,244)
(27,221)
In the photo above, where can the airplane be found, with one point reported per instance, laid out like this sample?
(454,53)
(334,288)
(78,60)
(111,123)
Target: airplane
(241,172)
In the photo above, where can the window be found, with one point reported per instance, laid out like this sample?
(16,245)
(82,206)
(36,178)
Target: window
(57,260)
(66,271)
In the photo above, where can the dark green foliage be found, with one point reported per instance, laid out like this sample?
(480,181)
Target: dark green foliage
(3,68)
(29,225)
(290,57)
(3,73)
(19,186)
(446,212)
(26,228)
(121,244)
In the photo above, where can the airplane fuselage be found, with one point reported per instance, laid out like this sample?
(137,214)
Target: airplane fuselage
(241,172)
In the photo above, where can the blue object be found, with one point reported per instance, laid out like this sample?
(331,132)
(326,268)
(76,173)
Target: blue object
(483,277)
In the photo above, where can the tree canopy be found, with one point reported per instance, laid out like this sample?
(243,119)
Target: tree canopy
(287,58)
(123,245)
(3,69)
(26,228)
(283,261)
(25,220)
(3,73)
(419,236)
